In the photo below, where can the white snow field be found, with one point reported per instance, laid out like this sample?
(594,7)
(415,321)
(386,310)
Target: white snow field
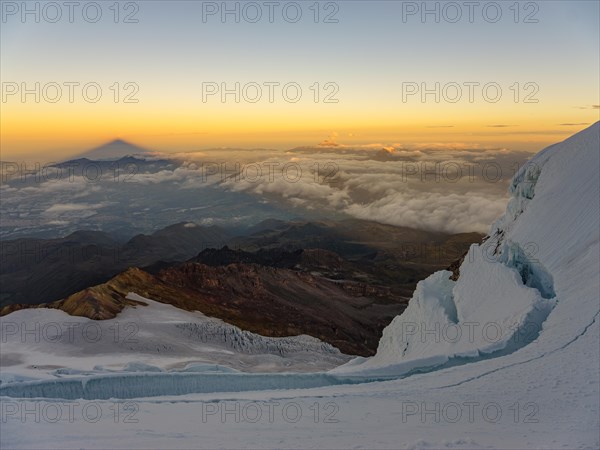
(507,356)
(158,338)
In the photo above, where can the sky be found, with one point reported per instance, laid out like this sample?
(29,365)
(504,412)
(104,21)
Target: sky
(353,75)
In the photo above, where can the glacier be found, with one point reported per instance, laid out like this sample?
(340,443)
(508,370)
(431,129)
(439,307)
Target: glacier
(47,344)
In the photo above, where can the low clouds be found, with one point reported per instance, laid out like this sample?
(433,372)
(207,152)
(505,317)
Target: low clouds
(64,213)
(457,190)
(442,187)
(452,213)
(60,208)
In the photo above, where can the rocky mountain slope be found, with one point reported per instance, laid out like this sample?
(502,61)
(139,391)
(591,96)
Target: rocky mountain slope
(266,300)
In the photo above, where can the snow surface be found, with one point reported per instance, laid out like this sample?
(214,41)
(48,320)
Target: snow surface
(48,343)
(534,384)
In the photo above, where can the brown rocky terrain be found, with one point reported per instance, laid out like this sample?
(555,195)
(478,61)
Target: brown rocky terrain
(266,300)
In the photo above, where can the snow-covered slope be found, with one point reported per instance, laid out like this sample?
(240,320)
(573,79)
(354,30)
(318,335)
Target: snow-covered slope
(48,343)
(536,278)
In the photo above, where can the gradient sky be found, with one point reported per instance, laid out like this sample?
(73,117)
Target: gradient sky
(369,53)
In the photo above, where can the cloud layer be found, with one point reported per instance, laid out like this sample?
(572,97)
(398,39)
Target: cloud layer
(436,187)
